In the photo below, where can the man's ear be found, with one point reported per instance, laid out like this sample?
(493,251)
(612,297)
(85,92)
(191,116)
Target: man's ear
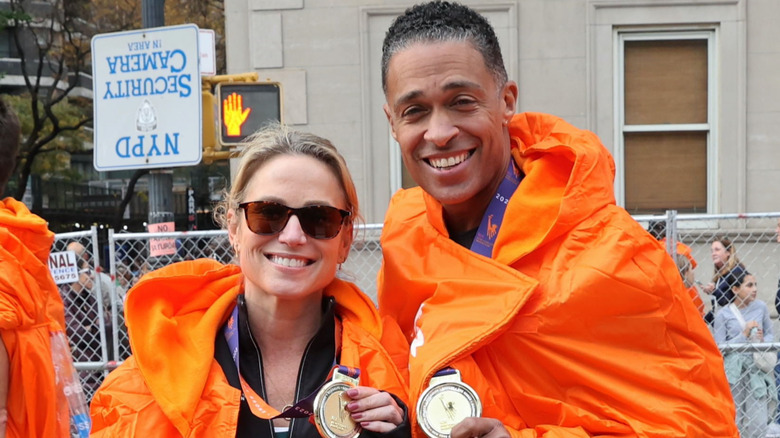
(389,116)
(509,96)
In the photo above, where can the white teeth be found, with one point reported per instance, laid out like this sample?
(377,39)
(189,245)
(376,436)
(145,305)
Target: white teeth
(284,261)
(442,163)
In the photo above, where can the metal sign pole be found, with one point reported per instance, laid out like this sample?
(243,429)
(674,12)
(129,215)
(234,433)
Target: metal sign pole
(161,180)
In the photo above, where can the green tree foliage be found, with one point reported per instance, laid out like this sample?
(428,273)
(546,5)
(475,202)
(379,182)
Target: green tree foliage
(53,158)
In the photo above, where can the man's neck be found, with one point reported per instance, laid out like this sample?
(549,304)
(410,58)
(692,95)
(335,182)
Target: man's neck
(466,216)
(463,217)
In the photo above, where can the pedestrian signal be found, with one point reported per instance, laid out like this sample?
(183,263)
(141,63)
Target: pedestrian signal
(245,107)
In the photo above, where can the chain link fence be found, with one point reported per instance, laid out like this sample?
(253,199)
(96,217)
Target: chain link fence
(754,241)
(99,338)
(88,306)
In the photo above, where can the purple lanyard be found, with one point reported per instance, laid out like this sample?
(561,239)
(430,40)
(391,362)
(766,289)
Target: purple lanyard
(494,215)
(445,372)
(302,409)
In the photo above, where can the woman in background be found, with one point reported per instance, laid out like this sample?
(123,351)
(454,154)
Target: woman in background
(746,320)
(725,260)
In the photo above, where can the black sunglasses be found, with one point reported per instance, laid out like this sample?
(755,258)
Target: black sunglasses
(317,221)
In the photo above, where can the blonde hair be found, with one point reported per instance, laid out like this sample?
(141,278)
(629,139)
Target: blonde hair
(276,140)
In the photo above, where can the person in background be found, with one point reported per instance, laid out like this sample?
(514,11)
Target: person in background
(101,279)
(746,319)
(777,307)
(512,265)
(31,312)
(657,229)
(82,322)
(725,260)
(142,270)
(124,279)
(207,337)
(685,267)
(685,262)
(777,295)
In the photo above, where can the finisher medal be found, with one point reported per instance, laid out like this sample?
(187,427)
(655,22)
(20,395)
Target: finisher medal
(330,405)
(446,402)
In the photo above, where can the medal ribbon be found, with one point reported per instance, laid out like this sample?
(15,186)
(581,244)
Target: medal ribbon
(304,407)
(445,372)
(494,215)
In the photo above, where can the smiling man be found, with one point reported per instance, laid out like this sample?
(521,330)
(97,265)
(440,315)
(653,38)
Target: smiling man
(532,303)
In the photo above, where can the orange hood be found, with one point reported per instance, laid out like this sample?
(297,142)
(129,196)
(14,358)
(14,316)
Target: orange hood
(25,242)
(174,313)
(572,181)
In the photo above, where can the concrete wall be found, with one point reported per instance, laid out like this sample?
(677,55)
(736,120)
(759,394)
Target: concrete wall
(763,106)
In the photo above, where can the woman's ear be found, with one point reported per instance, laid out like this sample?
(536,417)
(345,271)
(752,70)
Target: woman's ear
(347,235)
(232,226)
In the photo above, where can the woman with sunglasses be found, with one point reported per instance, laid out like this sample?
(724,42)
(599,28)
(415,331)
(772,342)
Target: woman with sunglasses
(244,349)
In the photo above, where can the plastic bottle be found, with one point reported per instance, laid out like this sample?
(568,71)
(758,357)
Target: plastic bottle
(753,334)
(76,420)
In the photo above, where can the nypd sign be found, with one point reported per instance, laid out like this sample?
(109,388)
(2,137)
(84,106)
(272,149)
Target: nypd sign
(147,100)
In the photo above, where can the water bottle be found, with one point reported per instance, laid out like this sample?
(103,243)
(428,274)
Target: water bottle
(69,389)
(753,335)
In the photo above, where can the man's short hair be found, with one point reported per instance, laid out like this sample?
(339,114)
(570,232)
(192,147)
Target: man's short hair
(9,142)
(440,21)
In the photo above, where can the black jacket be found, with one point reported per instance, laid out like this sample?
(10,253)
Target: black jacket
(313,371)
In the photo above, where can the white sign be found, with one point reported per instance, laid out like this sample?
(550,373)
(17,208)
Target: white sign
(208,52)
(147,100)
(63,267)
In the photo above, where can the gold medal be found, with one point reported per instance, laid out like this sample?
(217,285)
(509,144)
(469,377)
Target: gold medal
(330,407)
(446,402)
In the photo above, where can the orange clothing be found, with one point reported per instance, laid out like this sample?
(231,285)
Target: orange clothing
(683,250)
(696,298)
(173,387)
(30,308)
(579,324)
(686,251)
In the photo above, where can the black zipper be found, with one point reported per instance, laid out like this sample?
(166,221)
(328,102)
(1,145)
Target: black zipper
(262,378)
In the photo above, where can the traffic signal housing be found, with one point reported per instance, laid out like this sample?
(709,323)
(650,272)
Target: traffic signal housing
(245,107)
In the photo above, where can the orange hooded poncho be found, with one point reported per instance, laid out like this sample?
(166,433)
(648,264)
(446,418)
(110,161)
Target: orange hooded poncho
(579,325)
(30,309)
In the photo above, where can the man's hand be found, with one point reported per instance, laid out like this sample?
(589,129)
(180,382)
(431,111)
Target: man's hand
(375,410)
(478,427)
(234,114)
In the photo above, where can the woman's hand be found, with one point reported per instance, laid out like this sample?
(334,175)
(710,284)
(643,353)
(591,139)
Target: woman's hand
(479,427)
(749,326)
(375,410)
(708,288)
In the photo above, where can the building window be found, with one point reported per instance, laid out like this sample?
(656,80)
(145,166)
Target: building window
(666,120)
